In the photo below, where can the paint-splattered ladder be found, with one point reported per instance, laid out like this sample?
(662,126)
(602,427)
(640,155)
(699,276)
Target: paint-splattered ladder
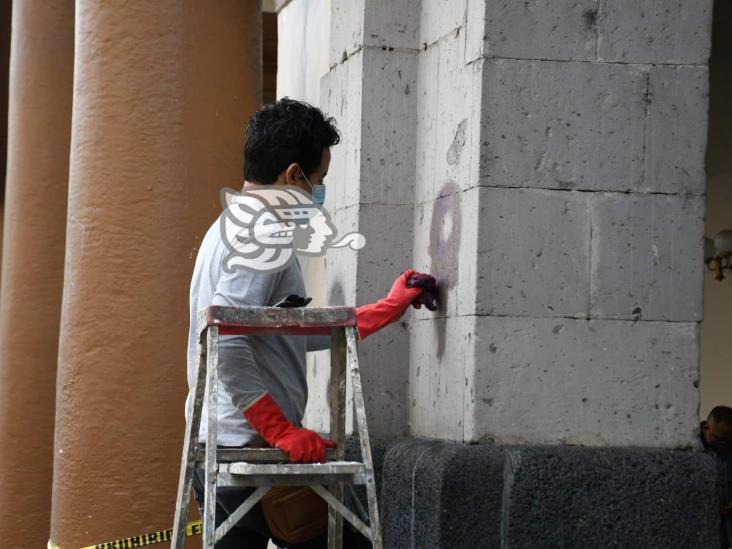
(267,467)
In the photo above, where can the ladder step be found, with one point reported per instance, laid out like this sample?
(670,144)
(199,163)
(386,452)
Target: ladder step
(294,474)
(330,468)
(254,455)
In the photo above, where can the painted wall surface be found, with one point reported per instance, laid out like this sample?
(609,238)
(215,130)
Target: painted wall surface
(716,344)
(39,122)
(162,93)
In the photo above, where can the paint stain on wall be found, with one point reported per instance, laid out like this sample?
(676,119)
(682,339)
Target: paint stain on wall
(458,142)
(444,251)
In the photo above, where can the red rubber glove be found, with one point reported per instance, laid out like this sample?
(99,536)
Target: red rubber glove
(373,317)
(301,445)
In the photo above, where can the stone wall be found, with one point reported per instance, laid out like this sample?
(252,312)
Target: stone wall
(559,191)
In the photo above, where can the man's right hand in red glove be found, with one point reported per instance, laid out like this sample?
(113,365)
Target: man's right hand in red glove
(301,445)
(374,316)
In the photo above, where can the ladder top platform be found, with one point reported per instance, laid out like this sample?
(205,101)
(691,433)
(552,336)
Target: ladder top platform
(276,320)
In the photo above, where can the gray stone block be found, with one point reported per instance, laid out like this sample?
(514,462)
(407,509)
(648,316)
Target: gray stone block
(562,125)
(533,252)
(392,24)
(371,98)
(676,129)
(647,257)
(388,117)
(445,495)
(610,498)
(346,29)
(427,99)
(541,29)
(356,23)
(598,382)
(439,18)
(438,495)
(384,356)
(655,31)
(341,98)
(448,119)
(441,363)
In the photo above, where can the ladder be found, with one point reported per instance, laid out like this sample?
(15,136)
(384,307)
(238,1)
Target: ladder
(264,468)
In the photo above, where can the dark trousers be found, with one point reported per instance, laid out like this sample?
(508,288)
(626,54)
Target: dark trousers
(252,532)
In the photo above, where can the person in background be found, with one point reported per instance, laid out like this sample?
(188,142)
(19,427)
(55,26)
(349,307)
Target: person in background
(716,436)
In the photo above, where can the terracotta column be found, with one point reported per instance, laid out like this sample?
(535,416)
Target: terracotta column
(162,93)
(41,72)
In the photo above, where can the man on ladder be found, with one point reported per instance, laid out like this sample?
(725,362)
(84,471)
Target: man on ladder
(262,380)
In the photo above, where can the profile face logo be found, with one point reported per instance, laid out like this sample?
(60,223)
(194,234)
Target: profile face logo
(263,226)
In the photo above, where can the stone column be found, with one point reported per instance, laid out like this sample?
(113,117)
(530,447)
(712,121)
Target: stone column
(562,178)
(560,201)
(41,73)
(370,91)
(162,93)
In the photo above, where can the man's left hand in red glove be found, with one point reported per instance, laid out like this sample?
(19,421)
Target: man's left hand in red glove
(374,316)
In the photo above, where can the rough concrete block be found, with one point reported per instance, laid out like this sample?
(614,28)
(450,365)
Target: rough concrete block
(647,257)
(341,264)
(595,382)
(676,129)
(541,29)
(427,128)
(356,23)
(565,125)
(442,353)
(445,495)
(439,18)
(341,97)
(456,153)
(346,28)
(475,30)
(389,114)
(614,497)
(533,252)
(448,119)
(341,283)
(384,356)
(392,24)
(370,96)
(655,31)
(438,495)
(357,278)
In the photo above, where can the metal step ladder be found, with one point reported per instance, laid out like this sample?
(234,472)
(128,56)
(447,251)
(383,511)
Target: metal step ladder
(267,467)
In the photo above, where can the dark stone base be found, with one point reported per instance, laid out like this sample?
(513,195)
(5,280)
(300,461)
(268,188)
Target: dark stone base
(448,495)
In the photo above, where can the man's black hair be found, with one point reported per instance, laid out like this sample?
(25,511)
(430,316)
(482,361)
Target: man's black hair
(722,414)
(284,132)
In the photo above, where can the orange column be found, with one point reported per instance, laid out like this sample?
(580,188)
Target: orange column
(162,93)
(40,89)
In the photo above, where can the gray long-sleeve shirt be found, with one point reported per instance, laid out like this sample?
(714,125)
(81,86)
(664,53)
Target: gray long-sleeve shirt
(248,365)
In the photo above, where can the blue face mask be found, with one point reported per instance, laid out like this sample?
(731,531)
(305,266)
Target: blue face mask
(317,192)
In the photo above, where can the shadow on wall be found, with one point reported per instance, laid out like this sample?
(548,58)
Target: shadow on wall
(444,251)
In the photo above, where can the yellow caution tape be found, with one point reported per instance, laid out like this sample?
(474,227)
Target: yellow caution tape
(161,536)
